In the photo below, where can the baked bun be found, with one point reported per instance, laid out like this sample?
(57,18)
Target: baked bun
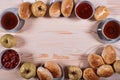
(116,66)
(55,9)
(101,13)
(95,60)
(109,54)
(39,9)
(54,68)
(74,73)
(24,10)
(67,7)
(105,71)
(44,74)
(89,74)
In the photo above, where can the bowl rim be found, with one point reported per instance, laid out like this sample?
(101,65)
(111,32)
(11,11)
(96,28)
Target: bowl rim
(20,24)
(85,1)
(100,31)
(2,67)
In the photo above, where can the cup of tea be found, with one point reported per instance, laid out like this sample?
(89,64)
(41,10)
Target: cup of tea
(10,21)
(84,10)
(109,30)
(9,59)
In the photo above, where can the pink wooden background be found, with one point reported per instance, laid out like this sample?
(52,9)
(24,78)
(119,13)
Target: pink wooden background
(64,40)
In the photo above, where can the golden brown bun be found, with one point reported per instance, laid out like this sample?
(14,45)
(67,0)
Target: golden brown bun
(74,73)
(116,66)
(44,74)
(24,10)
(55,9)
(105,71)
(95,60)
(67,7)
(54,68)
(89,74)
(109,54)
(101,13)
(39,9)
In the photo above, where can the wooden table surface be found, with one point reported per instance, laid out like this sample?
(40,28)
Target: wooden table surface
(63,40)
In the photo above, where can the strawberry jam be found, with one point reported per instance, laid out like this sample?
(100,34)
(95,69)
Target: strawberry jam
(10,59)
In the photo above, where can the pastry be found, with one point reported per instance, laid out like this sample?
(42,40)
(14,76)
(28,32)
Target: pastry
(95,60)
(67,7)
(74,73)
(55,9)
(44,74)
(54,68)
(101,13)
(8,41)
(24,10)
(116,66)
(39,9)
(28,70)
(89,74)
(105,71)
(109,54)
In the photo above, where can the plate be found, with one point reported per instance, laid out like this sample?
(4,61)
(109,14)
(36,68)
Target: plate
(98,50)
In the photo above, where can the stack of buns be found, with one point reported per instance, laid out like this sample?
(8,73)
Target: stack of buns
(26,9)
(65,8)
(49,71)
(39,9)
(101,65)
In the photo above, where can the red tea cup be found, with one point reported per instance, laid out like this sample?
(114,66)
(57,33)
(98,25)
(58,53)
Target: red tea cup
(84,10)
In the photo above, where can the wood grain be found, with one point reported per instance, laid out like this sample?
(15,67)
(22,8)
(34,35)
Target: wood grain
(63,40)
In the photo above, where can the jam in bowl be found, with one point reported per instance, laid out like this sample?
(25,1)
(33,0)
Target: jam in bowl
(9,59)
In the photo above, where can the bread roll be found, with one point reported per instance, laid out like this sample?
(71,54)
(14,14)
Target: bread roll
(39,9)
(116,66)
(101,13)
(89,74)
(55,9)
(54,68)
(109,54)
(105,71)
(74,73)
(24,10)
(67,7)
(95,60)
(44,74)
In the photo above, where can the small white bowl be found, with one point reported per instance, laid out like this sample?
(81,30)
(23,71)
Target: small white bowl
(20,21)
(1,65)
(85,1)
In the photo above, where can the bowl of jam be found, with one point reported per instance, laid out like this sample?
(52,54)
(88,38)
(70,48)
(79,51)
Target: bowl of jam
(109,30)
(9,59)
(10,21)
(84,10)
